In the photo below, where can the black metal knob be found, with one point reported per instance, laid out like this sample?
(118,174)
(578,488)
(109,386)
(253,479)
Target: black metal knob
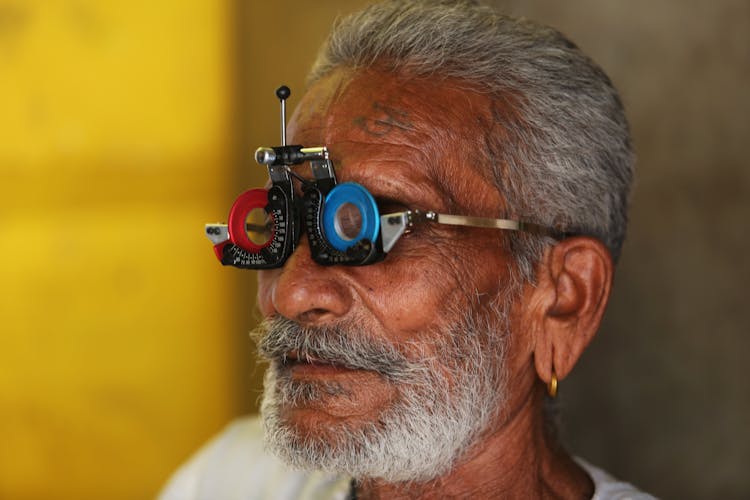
(283,92)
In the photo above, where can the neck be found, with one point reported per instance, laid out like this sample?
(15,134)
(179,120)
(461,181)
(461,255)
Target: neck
(517,459)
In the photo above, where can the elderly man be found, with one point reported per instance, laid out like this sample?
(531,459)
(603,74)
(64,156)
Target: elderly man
(424,374)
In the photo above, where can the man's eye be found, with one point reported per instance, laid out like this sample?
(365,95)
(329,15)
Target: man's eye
(388,206)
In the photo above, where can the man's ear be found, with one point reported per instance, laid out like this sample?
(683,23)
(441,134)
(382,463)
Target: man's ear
(573,283)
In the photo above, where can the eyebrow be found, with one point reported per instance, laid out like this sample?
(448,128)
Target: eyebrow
(398,186)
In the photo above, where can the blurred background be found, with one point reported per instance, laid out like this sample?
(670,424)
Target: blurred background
(125,126)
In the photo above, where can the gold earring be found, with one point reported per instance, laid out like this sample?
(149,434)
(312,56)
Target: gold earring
(552,386)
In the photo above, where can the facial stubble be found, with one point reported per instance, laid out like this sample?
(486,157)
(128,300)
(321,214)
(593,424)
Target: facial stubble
(447,392)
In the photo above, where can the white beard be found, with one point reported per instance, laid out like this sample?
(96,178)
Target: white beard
(444,403)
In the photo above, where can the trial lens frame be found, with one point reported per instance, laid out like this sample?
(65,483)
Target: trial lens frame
(320,209)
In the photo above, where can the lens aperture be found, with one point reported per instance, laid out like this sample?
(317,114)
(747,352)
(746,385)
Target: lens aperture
(348,221)
(258,225)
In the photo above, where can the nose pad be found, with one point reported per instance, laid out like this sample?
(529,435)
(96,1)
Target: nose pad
(307,292)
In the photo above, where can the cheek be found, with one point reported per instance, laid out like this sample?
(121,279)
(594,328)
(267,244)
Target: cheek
(411,299)
(414,294)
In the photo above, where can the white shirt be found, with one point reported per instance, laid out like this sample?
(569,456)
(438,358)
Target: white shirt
(234,466)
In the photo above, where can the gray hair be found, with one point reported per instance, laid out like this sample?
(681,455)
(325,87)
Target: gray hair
(562,158)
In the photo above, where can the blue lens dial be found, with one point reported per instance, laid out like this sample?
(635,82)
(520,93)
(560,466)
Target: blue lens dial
(350,215)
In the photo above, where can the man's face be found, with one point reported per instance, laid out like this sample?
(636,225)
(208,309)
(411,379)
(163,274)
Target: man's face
(398,343)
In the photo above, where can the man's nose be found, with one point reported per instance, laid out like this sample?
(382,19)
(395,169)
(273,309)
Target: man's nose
(309,293)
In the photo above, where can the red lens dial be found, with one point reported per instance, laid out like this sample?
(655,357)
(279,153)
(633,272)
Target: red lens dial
(250,226)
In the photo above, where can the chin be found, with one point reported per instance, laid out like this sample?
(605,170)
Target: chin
(417,436)
(322,405)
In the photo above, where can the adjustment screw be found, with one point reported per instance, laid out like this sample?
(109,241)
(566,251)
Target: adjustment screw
(265,156)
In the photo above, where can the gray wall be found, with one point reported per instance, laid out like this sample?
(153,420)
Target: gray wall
(661,398)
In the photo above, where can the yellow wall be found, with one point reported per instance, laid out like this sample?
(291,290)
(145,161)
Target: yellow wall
(115,352)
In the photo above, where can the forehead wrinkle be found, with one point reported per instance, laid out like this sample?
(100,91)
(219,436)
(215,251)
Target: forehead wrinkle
(457,140)
(333,109)
(449,115)
(388,150)
(315,115)
(442,145)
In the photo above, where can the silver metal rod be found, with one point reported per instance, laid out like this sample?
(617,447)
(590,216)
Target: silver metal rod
(462,220)
(283,122)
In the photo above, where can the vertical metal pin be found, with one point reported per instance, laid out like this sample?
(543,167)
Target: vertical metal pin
(283,122)
(283,94)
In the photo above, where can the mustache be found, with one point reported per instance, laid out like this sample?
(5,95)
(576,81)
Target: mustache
(277,337)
